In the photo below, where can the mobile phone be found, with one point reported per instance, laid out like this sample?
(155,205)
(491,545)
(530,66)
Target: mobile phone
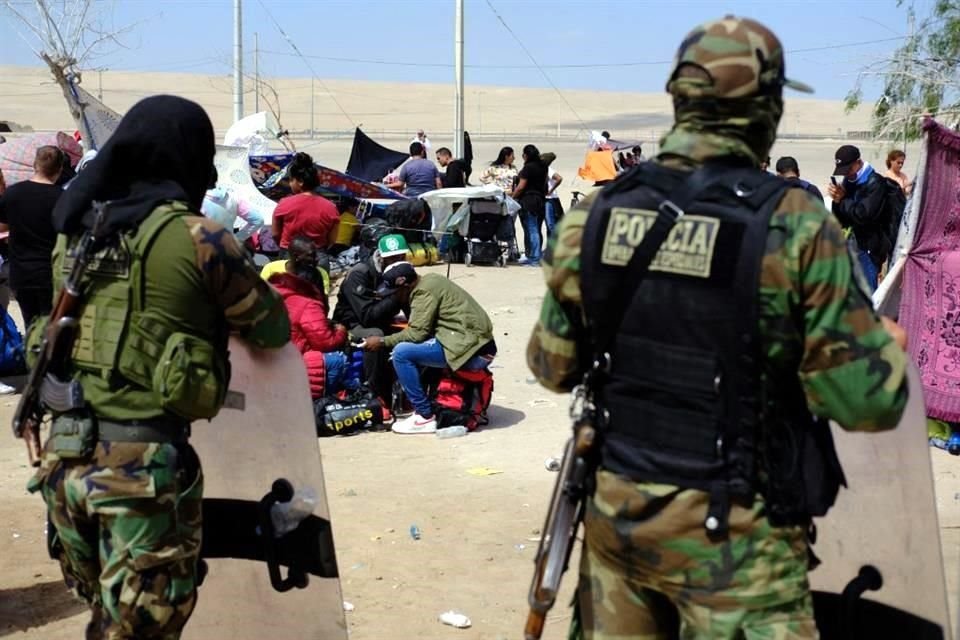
(833,179)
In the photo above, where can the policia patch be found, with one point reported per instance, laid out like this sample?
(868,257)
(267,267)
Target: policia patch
(687,251)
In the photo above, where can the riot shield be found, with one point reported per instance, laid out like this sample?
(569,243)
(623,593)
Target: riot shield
(259,448)
(881,573)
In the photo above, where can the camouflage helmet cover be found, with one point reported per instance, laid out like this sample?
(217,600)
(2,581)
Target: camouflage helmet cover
(742,57)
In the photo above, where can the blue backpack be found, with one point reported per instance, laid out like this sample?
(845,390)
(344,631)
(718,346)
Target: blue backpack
(11,347)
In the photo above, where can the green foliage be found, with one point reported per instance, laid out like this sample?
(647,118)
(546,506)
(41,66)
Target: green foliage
(920,78)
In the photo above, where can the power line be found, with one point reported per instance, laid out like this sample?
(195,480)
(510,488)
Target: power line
(592,65)
(447,65)
(294,46)
(583,125)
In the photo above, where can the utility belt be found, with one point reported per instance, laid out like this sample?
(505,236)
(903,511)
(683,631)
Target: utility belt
(75,434)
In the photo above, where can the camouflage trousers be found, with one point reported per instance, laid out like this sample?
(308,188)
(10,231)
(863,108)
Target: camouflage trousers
(648,569)
(128,519)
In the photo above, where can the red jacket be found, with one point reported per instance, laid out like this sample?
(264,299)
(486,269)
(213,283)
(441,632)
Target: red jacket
(310,330)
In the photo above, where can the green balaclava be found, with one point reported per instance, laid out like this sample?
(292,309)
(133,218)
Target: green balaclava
(727,87)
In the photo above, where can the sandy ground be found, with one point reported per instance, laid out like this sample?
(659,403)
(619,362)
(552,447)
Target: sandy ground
(478,532)
(477,546)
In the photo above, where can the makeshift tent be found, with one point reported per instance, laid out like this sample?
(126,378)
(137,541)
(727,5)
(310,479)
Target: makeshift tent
(17,154)
(95,120)
(370,160)
(332,183)
(233,173)
(255,133)
(922,287)
(443,201)
(263,168)
(598,166)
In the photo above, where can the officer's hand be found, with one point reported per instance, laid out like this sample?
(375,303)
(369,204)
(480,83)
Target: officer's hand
(896,331)
(373,343)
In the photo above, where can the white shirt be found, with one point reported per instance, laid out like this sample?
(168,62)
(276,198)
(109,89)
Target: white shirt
(551,183)
(425,142)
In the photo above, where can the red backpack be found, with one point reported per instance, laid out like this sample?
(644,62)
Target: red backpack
(462,398)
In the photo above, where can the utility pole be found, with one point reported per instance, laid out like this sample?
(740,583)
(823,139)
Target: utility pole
(458,94)
(256,72)
(311,107)
(237,60)
(100,85)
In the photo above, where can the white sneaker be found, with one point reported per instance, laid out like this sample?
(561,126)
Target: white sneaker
(6,390)
(415,424)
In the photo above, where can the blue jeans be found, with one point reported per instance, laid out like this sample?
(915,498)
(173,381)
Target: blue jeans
(551,215)
(408,357)
(870,270)
(532,243)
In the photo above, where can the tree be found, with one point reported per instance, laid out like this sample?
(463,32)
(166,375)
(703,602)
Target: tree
(920,78)
(67,34)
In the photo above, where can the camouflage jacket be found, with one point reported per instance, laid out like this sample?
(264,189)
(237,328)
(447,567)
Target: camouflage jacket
(815,319)
(197,280)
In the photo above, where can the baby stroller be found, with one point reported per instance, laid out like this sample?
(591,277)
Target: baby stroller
(486,222)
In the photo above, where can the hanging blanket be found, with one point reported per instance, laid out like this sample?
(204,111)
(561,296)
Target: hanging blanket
(930,304)
(370,160)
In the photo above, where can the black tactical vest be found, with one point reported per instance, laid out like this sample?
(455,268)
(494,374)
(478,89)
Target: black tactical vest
(684,392)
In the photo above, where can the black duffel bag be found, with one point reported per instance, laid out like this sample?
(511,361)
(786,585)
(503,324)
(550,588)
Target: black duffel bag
(339,417)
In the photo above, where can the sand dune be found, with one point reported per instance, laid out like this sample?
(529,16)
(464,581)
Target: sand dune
(30,97)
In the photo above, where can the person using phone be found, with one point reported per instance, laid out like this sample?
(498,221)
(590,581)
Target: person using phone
(858,204)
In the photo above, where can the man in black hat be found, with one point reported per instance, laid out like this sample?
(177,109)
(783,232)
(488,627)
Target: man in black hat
(859,205)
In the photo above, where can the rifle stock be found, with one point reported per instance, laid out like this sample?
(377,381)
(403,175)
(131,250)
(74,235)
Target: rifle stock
(560,528)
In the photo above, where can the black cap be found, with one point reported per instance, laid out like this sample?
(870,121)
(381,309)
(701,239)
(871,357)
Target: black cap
(395,276)
(786,163)
(844,159)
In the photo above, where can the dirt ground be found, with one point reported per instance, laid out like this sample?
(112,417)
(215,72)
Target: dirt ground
(478,531)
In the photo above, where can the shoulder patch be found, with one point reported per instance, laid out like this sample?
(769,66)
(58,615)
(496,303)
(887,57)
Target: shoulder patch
(688,250)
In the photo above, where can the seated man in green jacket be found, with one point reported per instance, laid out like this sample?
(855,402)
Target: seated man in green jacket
(446,328)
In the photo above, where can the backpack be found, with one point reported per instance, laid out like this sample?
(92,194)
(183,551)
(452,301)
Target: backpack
(12,360)
(894,204)
(410,218)
(373,229)
(461,397)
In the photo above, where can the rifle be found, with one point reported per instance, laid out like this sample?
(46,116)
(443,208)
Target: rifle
(565,512)
(45,388)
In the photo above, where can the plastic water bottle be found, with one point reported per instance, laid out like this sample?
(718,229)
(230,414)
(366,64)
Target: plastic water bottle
(452,432)
(287,516)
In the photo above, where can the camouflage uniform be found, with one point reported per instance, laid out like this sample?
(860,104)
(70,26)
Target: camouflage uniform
(646,556)
(128,516)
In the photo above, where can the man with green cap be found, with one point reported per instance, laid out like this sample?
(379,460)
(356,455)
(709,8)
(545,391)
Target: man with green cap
(715,321)
(365,313)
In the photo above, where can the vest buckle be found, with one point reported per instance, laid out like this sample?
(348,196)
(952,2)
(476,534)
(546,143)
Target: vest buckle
(670,210)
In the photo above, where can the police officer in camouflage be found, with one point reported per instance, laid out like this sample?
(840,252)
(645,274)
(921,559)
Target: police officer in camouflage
(747,330)
(122,485)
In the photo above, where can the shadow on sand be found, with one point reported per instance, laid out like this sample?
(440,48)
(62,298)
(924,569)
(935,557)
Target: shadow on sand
(503,417)
(36,606)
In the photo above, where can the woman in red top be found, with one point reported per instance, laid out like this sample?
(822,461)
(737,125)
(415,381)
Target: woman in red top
(305,213)
(318,339)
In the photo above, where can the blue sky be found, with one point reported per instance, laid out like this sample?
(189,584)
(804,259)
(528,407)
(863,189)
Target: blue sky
(356,39)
